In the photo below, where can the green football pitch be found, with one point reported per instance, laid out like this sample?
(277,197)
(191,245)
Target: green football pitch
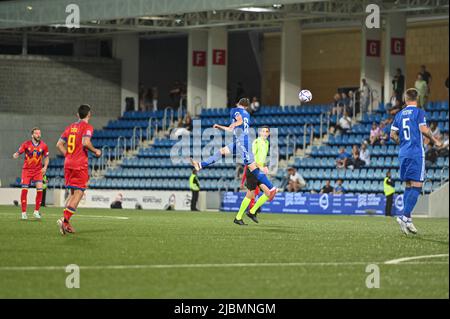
(163,254)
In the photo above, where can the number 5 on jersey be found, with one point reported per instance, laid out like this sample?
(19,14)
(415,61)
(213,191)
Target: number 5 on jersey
(406,130)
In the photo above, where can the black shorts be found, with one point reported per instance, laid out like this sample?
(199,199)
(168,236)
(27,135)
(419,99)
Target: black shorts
(251,181)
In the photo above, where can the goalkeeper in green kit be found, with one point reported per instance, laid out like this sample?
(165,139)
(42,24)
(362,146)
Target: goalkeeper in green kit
(260,149)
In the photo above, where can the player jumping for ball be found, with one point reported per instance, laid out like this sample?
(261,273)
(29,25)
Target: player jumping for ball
(408,129)
(35,151)
(260,149)
(240,124)
(74,144)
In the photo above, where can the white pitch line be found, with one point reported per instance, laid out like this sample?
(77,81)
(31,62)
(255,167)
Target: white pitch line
(82,216)
(399,260)
(174,266)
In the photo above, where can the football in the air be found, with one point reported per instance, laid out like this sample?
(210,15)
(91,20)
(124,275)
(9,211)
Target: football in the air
(305,96)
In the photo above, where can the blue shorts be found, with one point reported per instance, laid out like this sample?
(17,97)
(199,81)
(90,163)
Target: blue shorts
(241,146)
(412,169)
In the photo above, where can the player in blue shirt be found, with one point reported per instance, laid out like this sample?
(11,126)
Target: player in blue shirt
(240,125)
(408,129)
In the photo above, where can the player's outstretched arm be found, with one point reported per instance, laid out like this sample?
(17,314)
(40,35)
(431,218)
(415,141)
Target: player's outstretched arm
(61,146)
(426,131)
(88,144)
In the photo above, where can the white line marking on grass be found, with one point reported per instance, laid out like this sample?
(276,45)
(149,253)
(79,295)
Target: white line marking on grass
(174,266)
(399,260)
(77,215)
(97,216)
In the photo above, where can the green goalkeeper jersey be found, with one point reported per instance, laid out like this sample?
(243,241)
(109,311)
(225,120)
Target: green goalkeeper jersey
(260,149)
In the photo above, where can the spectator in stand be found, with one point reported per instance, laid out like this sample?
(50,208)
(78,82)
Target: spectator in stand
(365,96)
(356,162)
(342,158)
(385,133)
(426,76)
(351,104)
(338,105)
(254,106)
(344,124)
(339,189)
(398,84)
(444,150)
(148,100)
(296,181)
(435,131)
(375,134)
(175,93)
(345,100)
(421,87)
(355,149)
(395,108)
(364,153)
(187,122)
(431,155)
(327,189)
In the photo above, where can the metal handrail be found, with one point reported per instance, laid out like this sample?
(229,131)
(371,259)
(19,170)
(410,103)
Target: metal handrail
(135,145)
(152,121)
(180,111)
(164,127)
(119,156)
(221,183)
(108,163)
(328,121)
(287,146)
(311,138)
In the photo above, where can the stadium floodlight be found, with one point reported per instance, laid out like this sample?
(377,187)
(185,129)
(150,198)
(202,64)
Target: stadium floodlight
(256,9)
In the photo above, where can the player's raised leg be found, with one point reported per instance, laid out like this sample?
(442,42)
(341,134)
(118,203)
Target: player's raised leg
(261,200)
(211,160)
(262,178)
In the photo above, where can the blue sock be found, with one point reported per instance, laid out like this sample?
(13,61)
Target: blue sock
(262,178)
(411,200)
(211,160)
(405,200)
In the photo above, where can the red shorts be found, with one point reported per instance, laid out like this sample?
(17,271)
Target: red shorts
(76,178)
(30,176)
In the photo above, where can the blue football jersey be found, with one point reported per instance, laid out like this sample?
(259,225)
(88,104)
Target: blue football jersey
(244,127)
(407,122)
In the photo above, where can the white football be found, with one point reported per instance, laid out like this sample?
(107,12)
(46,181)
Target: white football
(305,96)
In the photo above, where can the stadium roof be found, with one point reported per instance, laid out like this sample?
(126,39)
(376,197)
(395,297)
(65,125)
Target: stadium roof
(102,18)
